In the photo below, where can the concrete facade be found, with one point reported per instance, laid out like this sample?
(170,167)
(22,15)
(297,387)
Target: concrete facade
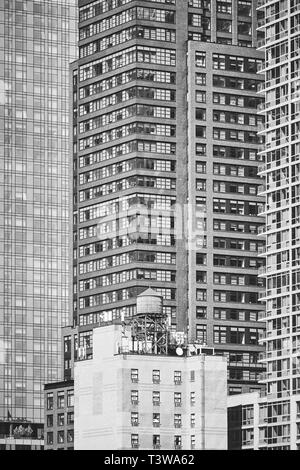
(144,162)
(272,422)
(139,401)
(260,423)
(59,415)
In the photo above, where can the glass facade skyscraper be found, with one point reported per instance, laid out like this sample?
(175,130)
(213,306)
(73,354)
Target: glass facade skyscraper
(37,43)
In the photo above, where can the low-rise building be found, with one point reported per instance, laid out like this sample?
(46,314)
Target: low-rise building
(20,434)
(127,397)
(59,415)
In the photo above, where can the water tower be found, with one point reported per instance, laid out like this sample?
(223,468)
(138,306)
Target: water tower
(149,326)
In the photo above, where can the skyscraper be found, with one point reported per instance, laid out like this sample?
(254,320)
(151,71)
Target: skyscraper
(165,159)
(37,42)
(276,416)
(280,173)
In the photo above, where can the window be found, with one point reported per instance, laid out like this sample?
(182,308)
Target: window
(50,401)
(177,442)
(134,419)
(49,421)
(200,59)
(201,312)
(70,435)
(193,442)
(244,7)
(67,343)
(193,398)
(134,375)
(201,168)
(200,96)
(156,420)
(200,132)
(220,334)
(193,419)
(177,399)
(200,150)
(134,397)
(49,438)
(200,79)
(60,437)
(192,376)
(156,398)
(60,419)
(70,398)
(156,376)
(201,277)
(177,421)
(219,61)
(244,28)
(177,377)
(201,295)
(224,6)
(70,417)
(60,399)
(201,335)
(156,441)
(224,26)
(134,441)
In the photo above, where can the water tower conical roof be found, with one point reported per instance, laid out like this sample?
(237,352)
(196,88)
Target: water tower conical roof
(149,302)
(149,293)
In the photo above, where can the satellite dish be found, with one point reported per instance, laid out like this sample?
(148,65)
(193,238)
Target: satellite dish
(192,348)
(179,351)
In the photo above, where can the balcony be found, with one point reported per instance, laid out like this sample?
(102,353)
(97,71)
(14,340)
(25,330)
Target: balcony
(261,209)
(261,3)
(262,230)
(261,168)
(261,316)
(261,107)
(262,271)
(262,295)
(261,189)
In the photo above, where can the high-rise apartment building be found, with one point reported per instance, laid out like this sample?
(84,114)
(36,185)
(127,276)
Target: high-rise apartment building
(280,174)
(165,160)
(278,414)
(37,42)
